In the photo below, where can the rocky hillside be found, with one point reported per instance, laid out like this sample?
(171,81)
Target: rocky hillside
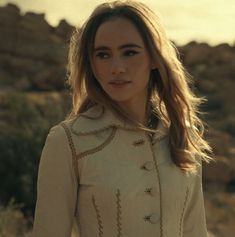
(33,58)
(33,53)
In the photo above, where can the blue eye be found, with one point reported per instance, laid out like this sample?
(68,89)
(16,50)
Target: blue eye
(102,55)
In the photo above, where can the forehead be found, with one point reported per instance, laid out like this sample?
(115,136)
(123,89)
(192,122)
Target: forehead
(117,31)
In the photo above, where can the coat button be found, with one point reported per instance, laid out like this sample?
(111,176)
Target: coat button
(154,218)
(149,165)
(154,191)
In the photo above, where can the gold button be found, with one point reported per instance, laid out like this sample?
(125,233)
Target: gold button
(153,191)
(149,165)
(154,218)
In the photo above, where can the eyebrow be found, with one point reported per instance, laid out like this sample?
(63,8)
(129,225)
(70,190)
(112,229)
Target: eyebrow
(129,45)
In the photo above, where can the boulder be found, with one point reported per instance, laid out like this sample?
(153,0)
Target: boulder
(64,30)
(194,53)
(9,16)
(35,22)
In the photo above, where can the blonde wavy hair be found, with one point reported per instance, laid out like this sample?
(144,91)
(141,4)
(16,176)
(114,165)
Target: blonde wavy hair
(169,85)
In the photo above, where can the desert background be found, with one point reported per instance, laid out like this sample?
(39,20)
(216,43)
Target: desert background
(34,97)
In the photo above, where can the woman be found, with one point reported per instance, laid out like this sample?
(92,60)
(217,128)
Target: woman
(127,161)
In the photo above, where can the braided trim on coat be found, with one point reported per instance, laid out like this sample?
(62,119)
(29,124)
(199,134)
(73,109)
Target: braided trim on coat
(183,210)
(72,148)
(74,161)
(119,212)
(100,226)
(138,142)
(100,147)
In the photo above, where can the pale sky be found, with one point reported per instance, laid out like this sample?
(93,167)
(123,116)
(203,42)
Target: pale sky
(211,21)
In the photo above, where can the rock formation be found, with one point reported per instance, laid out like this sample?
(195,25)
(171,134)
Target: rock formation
(33,53)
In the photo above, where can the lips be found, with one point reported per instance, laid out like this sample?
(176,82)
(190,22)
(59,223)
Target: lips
(119,82)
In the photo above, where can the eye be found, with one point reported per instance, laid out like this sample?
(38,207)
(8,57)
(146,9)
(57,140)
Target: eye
(130,52)
(102,55)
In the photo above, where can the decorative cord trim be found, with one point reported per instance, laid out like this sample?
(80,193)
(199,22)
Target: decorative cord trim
(103,129)
(100,226)
(106,125)
(100,147)
(183,211)
(72,147)
(119,212)
(111,125)
(139,142)
(159,183)
(74,160)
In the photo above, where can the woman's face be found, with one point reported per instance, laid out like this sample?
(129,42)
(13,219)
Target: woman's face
(121,62)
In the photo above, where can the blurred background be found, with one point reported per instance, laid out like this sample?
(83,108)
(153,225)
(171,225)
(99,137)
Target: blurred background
(34,37)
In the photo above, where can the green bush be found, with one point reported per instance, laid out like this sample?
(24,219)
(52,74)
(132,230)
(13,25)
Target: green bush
(23,129)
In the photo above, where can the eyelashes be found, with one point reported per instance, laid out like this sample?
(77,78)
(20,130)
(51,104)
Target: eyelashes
(130,53)
(102,55)
(127,53)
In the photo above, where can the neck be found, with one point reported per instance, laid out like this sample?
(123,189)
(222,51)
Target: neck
(137,110)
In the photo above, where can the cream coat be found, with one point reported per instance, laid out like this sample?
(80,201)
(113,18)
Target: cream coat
(114,181)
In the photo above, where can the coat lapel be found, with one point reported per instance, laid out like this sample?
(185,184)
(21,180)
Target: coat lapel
(98,119)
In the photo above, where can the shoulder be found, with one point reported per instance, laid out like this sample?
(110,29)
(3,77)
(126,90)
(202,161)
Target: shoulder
(196,176)
(59,135)
(55,140)
(58,131)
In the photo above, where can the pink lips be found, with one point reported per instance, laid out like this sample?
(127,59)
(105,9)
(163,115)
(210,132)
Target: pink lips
(119,83)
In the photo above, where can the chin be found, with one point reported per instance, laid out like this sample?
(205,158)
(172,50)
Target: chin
(120,99)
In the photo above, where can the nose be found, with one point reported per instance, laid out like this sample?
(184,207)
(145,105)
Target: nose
(117,66)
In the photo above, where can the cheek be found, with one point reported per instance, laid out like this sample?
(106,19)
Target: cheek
(140,64)
(100,70)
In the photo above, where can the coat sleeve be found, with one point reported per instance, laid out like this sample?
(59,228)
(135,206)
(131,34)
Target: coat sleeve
(56,188)
(194,218)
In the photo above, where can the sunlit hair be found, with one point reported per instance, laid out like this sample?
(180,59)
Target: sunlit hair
(170,95)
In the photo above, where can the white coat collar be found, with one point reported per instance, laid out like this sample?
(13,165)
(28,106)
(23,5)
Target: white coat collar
(98,119)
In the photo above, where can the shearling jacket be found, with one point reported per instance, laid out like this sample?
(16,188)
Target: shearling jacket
(114,181)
